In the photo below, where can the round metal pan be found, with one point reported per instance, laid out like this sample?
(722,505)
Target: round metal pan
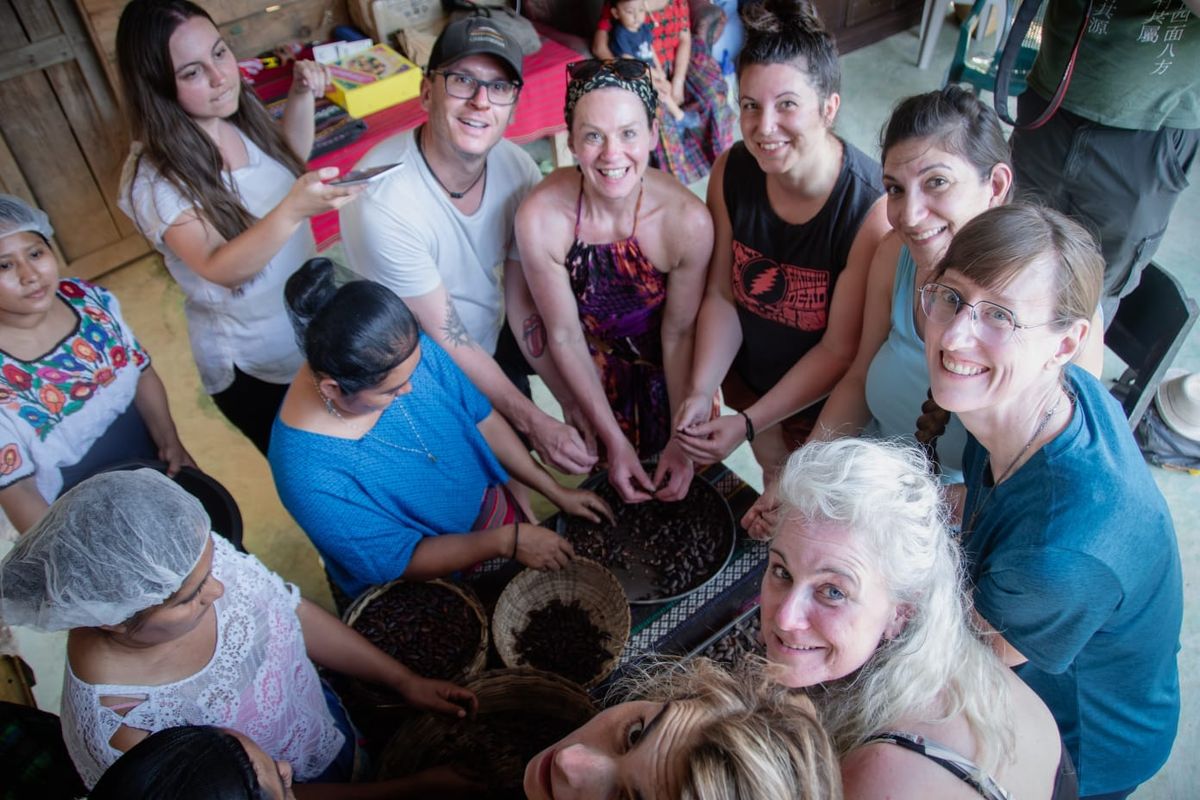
(650,548)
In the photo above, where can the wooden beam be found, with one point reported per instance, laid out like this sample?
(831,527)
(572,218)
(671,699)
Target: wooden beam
(38,55)
(109,257)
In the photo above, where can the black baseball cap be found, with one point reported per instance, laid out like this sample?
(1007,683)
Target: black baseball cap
(471,36)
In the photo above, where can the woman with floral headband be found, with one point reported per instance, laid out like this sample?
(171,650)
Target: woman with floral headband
(615,254)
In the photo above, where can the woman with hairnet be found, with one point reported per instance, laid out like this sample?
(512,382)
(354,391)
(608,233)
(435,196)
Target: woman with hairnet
(77,392)
(169,625)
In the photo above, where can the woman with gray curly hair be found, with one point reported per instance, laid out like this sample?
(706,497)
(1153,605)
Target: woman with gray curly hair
(696,732)
(863,597)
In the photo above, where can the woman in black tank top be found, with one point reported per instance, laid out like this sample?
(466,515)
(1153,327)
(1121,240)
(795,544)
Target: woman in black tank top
(797,218)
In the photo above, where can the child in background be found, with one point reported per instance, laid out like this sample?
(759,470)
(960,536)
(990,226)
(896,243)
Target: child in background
(632,37)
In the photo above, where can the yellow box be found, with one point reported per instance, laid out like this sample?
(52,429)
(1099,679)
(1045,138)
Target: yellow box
(396,80)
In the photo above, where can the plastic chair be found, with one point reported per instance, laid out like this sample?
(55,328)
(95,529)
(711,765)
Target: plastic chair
(978,67)
(1150,326)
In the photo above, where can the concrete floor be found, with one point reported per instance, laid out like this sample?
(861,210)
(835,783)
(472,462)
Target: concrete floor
(873,79)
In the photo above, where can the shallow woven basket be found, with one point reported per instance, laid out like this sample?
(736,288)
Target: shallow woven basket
(473,667)
(425,741)
(596,589)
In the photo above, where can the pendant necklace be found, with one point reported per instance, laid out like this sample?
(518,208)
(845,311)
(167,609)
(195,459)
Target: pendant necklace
(1041,426)
(333,412)
(445,188)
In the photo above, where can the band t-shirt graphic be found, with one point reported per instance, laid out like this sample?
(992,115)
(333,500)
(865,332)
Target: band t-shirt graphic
(784,274)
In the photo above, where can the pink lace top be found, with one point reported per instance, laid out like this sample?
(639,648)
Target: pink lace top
(259,682)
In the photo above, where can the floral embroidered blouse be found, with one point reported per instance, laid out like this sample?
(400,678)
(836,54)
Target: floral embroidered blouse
(53,408)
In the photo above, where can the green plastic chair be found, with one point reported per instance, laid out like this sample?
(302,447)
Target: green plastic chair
(977,65)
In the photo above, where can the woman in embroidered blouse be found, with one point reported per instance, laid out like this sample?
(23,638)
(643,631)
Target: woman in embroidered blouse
(77,391)
(863,600)
(169,625)
(388,457)
(615,255)
(221,191)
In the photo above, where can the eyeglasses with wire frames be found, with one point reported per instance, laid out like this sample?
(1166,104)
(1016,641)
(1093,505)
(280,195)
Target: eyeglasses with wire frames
(465,87)
(627,69)
(992,323)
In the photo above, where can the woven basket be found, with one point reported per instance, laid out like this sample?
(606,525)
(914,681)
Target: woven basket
(472,667)
(552,703)
(596,589)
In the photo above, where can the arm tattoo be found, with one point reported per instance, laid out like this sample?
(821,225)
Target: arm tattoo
(452,326)
(534,334)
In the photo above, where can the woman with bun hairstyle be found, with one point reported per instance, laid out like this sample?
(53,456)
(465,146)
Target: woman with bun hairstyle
(220,190)
(797,216)
(389,458)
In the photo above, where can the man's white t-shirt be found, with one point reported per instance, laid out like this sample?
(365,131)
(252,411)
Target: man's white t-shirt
(405,233)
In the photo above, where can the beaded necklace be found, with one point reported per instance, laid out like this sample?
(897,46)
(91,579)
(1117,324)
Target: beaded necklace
(334,412)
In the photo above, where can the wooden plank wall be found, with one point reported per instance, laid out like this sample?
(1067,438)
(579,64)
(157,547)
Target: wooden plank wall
(63,135)
(250,26)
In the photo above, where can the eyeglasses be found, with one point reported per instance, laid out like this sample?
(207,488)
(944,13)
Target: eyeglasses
(994,324)
(627,69)
(465,87)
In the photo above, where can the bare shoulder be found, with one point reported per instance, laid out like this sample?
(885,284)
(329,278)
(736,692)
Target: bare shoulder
(551,198)
(90,658)
(881,770)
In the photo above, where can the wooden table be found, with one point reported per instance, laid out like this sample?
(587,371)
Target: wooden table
(539,114)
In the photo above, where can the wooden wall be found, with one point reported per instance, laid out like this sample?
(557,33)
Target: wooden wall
(63,137)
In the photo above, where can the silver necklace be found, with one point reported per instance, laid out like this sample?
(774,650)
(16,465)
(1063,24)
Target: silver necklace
(1041,426)
(424,451)
(445,188)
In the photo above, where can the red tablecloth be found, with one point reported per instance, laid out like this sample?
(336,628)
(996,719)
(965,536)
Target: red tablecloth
(539,113)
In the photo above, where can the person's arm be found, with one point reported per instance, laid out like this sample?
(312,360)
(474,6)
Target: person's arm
(23,504)
(718,330)
(557,443)
(683,57)
(543,238)
(846,411)
(232,262)
(309,81)
(516,459)
(151,402)
(600,47)
(334,645)
(690,240)
(529,331)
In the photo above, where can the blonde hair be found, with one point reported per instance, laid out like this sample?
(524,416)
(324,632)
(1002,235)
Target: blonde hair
(937,667)
(756,737)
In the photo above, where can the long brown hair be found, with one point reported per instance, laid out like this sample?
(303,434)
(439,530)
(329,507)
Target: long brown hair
(171,141)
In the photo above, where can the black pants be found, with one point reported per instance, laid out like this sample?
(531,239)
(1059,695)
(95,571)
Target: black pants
(251,405)
(512,361)
(1121,183)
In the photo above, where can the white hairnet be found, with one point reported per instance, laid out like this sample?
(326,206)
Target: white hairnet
(116,544)
(16,215)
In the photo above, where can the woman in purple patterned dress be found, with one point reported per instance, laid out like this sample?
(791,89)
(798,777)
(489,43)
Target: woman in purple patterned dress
(616,255)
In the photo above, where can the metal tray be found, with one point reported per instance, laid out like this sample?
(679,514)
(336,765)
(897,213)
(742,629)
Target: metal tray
(626,550)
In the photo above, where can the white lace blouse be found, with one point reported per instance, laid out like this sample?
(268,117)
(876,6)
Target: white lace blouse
(259,682)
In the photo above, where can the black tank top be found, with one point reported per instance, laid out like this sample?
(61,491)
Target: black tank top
(784,274)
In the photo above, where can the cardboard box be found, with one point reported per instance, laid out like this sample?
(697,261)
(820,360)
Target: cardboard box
(389,79)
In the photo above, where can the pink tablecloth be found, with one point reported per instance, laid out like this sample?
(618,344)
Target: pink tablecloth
(539,113)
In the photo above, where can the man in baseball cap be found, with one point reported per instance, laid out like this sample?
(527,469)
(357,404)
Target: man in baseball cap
(438,230)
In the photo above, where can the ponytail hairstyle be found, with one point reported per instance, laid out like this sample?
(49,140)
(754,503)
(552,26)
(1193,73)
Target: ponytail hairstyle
(790,32)
(957,120)
(171,141)
(355,334)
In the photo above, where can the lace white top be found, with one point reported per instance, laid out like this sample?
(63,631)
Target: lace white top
(259,682)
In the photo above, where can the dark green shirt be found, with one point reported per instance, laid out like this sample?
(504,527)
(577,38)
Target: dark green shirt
(1138,64)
